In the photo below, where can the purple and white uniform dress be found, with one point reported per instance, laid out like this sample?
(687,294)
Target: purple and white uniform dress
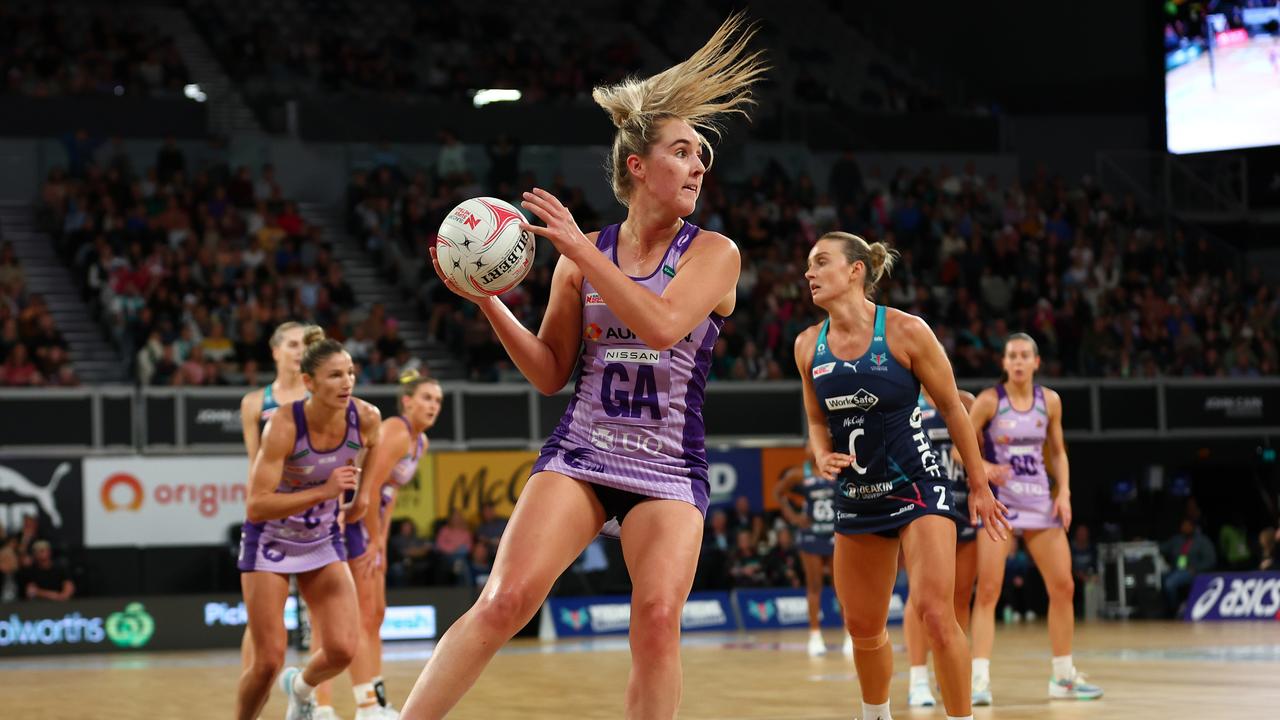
(357,534)
(1016,439)
(635,421)
(312,539)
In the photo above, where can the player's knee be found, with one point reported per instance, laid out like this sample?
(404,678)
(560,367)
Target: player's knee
(660,616)
(340,650)
(988,592)
(938,618)
(506,608)
(1062,588)
(267,661)
(860,628)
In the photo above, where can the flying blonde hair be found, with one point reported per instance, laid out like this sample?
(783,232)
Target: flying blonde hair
(716,80)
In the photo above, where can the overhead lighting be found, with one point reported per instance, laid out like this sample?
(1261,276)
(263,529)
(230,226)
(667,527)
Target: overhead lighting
(194,92)
(493,95)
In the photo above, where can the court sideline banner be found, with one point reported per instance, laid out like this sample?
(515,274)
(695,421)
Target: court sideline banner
(465,480)
(50,490)
(159,501)
(1234,596)
(611,615)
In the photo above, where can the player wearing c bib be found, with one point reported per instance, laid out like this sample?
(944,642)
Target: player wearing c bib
(637,307)
(919,693)
(862,370)
(815,538)
(306,461)
(1020,429)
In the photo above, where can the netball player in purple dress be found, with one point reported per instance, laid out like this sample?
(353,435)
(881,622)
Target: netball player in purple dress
(1020,427)
(306,461)
(638,307)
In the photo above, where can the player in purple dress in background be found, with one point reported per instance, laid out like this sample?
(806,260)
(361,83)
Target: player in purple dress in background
(292,527)
(1019,426)
(637,307)
(390,466)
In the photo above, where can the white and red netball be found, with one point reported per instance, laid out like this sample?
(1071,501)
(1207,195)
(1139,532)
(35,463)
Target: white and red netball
(481,247)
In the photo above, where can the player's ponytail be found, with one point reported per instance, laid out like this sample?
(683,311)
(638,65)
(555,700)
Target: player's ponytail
(716,80)
(318,348)
(410,380)
(877,257)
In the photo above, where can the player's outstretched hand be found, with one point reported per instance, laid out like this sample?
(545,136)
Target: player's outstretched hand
(560,228)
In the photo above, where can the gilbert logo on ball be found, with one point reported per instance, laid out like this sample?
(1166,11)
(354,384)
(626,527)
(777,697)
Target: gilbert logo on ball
(482,249)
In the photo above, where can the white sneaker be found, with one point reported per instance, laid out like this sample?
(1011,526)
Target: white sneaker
(326,712)
(377,712)
(919,695)
(1031,616)
(1074,689)
(847,648)
(817,646)
(303,708)
(981,691)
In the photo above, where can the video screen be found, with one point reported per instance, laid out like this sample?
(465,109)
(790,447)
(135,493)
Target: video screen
(1222,74)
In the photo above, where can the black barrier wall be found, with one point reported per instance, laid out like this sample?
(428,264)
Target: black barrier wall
(515,415)
(190,622)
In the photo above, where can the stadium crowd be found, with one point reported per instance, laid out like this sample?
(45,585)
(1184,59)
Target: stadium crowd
(53,49)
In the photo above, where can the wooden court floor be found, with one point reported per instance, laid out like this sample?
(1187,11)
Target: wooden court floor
(1149,670)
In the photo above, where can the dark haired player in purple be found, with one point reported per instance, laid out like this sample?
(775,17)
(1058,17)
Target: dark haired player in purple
(306,461)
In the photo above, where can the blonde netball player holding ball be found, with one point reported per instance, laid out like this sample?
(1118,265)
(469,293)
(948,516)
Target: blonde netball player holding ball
(640,305)
(1020,428)
(862,371)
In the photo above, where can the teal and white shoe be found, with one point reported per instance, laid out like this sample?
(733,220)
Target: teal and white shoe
(326,712)
(919,695)
(1073,689)
(300,708)
(981,694)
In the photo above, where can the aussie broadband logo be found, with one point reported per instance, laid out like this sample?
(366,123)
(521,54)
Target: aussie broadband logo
(131,628)
(576,619)
(861,400)
(761,610)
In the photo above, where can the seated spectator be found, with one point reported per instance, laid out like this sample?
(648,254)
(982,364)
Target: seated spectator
(783,561)
(1084,564)
(45,579)
(1189,553)
(18,370)
(408,555)
(11,589)
(453,542)
(746,567)
(480,564)
(741,517)
(1015,598)
(492,525)
(1269,549)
